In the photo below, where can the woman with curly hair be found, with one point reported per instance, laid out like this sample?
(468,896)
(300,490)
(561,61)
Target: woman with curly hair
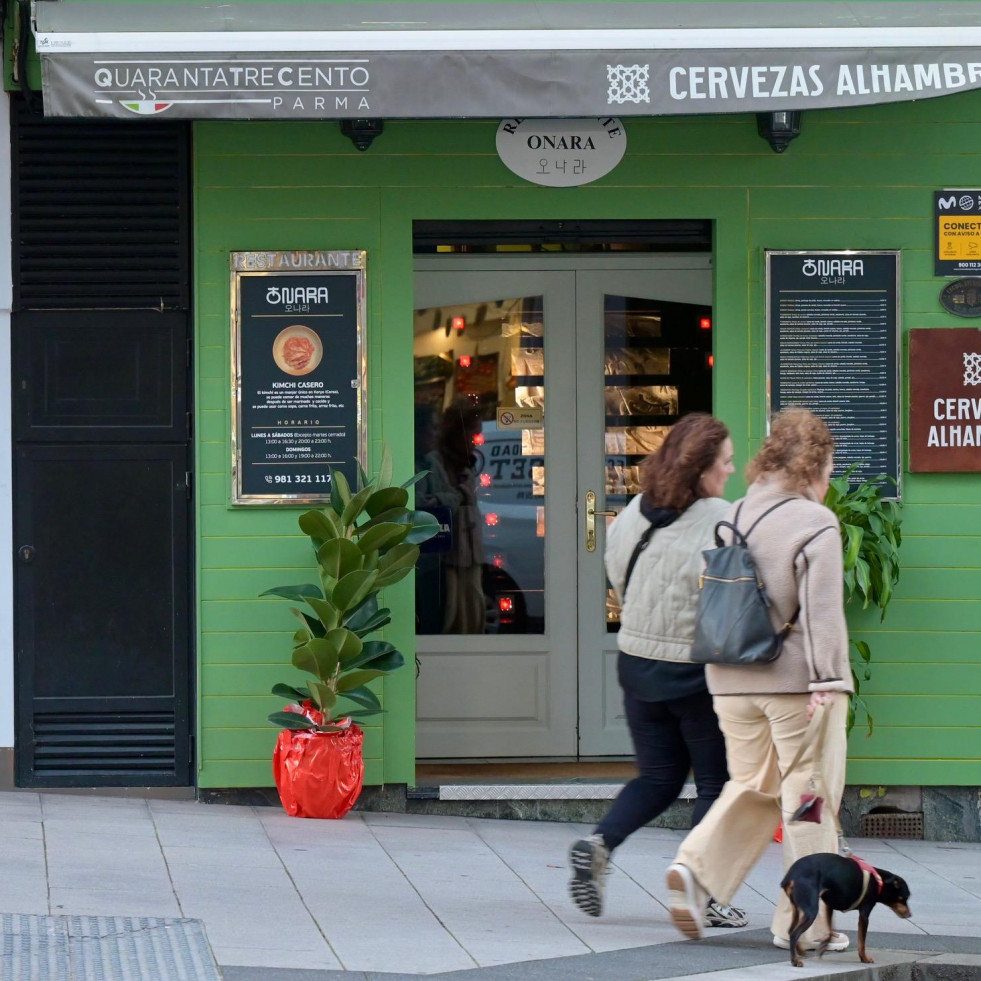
(656,543)
(764,709)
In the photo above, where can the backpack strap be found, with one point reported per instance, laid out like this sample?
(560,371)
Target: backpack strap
(638,548)
(779,504)
(789,625)
(738,535)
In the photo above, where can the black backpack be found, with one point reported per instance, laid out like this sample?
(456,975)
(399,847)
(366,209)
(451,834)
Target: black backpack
(732,620)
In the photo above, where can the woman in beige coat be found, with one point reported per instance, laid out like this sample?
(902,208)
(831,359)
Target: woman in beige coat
(764,709)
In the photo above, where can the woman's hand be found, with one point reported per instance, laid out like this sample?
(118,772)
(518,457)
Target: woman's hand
(820,698)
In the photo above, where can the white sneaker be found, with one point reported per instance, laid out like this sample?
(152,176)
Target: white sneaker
(837,943)
(589,859)
(686,901)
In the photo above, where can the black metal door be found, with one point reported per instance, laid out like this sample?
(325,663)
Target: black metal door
(100,365)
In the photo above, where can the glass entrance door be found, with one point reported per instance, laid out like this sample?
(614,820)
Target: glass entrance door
(538,391)
(644,357)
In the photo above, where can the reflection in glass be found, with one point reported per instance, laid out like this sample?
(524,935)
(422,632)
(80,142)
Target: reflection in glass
(657,365)
(485,571)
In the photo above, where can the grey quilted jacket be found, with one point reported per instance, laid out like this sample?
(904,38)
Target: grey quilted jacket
(658,619)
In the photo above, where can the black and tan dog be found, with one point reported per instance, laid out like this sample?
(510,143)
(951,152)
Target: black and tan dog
(844,884)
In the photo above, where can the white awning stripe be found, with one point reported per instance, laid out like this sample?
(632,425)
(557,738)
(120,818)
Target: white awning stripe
(407,40)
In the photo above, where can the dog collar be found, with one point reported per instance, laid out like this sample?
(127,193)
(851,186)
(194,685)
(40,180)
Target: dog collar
(869,872)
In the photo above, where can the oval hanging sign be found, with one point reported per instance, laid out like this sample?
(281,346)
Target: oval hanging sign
(561,152)
(962,297)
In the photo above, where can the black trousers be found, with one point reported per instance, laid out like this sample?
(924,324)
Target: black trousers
(670,739)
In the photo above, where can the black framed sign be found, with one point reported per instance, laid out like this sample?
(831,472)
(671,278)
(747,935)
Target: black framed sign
(298,374)
(833,347)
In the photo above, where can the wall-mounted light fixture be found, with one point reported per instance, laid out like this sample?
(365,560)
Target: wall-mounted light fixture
(779,128)
(362,131)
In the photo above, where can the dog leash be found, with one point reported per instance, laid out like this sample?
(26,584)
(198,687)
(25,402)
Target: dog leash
(815,737)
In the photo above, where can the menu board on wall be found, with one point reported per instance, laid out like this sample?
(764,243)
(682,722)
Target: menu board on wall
(833,347)
(297,374)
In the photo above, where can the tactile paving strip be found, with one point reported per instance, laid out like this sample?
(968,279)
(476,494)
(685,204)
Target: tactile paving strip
(103,948)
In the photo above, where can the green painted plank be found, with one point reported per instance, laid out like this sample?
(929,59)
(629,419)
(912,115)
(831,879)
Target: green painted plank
(213,393)
(928,678)
(252,679)
(214,457)
(224,522)
(248,614)
(251,711)
(213,488)
(212,363)
(917,773)
(915,711)
(904,614)
(259,740)
(249,583)
(938,488)
(321,201)
(920,742)
(950,551)
(216,774)
(298,232)
(939,584)
(274,552)
(212,424)
(919,646)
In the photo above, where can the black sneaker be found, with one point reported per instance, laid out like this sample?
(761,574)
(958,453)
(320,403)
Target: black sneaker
(721,915)
(589,859)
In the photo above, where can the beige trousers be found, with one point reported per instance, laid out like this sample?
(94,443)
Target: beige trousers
(763,734)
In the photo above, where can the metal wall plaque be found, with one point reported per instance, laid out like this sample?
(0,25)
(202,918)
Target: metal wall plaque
(945,400)
(833,347)
(298,374)
(962,297)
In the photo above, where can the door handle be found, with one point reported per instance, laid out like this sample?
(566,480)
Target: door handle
(591,513)
(26,553)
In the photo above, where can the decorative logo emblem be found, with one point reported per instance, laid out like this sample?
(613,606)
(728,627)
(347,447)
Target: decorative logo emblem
(628,83)
(972,369)
(146,107)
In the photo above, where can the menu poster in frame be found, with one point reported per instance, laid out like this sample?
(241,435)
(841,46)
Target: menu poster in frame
(298,374)
(833,347)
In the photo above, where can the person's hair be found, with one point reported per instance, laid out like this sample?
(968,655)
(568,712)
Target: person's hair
(460,421)
(670,476)
(796,451)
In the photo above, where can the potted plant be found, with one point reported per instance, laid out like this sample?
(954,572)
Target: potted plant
(364,540)
(870,537)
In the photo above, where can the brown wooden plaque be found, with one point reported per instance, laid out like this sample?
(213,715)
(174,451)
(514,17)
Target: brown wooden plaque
(945,400)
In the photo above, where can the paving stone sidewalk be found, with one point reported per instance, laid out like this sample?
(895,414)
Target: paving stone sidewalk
(396,895)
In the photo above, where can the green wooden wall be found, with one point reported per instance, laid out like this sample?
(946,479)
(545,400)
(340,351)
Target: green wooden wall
(854,179)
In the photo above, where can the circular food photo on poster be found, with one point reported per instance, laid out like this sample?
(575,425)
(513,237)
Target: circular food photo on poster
(297,350)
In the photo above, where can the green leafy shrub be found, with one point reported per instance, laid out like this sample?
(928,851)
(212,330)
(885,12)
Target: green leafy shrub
(364,541)
(870,539)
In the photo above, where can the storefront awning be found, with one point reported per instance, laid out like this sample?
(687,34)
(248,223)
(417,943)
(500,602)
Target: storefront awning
(498,59)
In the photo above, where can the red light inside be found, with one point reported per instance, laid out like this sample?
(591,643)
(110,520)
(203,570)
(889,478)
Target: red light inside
(458,323)
(485,480)
(505,604)
(464,361)
(491,518)
(498,561)
(478,439)
(705,323)
(711,360)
